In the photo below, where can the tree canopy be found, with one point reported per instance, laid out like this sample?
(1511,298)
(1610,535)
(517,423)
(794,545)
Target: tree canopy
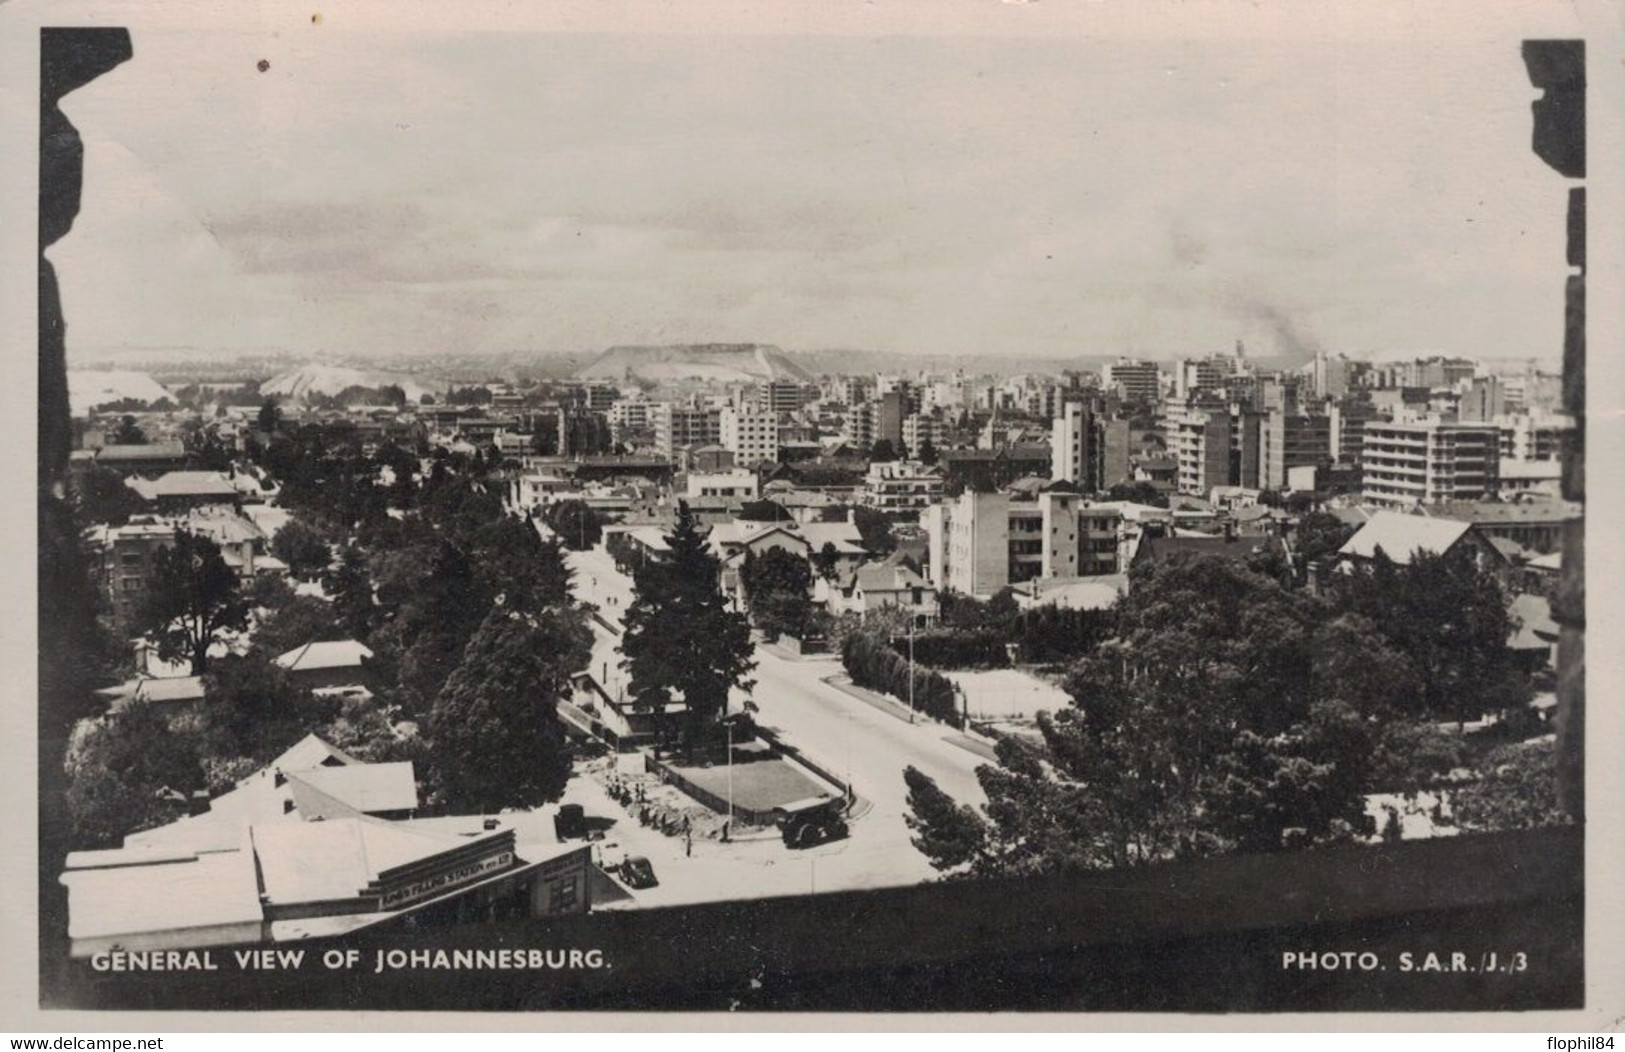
(192,598)
(496,738)
(682,643)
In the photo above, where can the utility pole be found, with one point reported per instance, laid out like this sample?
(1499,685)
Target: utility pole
(730,827)
(911,670)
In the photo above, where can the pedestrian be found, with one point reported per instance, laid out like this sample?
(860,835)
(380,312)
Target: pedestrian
(688,844)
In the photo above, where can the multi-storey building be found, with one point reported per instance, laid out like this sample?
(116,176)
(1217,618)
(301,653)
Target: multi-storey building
(920,428)
(1527,436)
(1346,421)
(1195,375)
(1328,375)
(628,415)
(751,432)
(1199,440)
(879,418)
(902,485)
(1136,381)
(678,427)
(782,396)
(1406,464)
(981,542)
(1291,441)
(1077,447)
(128,564)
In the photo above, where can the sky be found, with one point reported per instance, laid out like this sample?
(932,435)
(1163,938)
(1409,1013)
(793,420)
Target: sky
(399,194)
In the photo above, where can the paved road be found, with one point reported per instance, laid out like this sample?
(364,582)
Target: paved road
(853,740)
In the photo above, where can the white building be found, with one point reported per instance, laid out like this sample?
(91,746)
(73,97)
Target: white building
(751,433)
(740,482)
(1406,464)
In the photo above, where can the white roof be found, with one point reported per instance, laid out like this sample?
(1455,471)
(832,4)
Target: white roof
(148,893)
(339,653)
(336,859)
(1401,536)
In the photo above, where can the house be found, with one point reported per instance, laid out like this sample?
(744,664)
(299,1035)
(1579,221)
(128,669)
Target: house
(1401,536)
(149,458)
(178,699)
(1537,523)
(241,541)
(891,584)
(1071,593)
(181,491)
(340,664)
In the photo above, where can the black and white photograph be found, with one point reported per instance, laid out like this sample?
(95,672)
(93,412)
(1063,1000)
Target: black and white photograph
(997,507)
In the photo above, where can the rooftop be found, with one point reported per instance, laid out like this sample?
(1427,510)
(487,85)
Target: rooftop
(1401,536)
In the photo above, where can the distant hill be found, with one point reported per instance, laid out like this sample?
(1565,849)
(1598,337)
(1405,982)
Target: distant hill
(706,362)
(89,388)
(297,384)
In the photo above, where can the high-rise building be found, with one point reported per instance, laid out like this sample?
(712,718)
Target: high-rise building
(1199,439)
(1483,401)
(678,427)
(1137,381)
(1406,464)
(781,396)
(1077,447)
(879,418)
(1328,375)
(1293,441)
(750,432)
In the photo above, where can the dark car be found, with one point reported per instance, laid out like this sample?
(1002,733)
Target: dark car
(637,873)
(812,822)
(570,823)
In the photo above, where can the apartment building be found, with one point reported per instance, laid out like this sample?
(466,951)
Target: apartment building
(981,542)
(1136,381)
(751,432)
(1077,447)
(1426,462)
(678,427)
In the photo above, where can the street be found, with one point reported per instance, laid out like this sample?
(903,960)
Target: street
(852,740)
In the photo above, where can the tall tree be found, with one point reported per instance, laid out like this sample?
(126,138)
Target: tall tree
(874,529)
(777,584)
(883,450)
(1204,726)
(574,523)
(101,496)
(682,642)
(1320,534)
(304,548)
(350,585)
(255,710)
(1449,618)
(269,417)
(304,619)
(117,767)
(192,597)
(496,740)
(827,561)
(928,452)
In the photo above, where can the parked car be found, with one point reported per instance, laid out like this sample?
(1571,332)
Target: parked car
(637,873)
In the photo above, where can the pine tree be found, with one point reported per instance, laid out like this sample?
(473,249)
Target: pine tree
(682,643)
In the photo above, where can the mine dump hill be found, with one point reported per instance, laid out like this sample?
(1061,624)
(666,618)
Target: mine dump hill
(690,362)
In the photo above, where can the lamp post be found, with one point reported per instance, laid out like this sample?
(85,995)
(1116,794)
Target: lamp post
(730,825)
